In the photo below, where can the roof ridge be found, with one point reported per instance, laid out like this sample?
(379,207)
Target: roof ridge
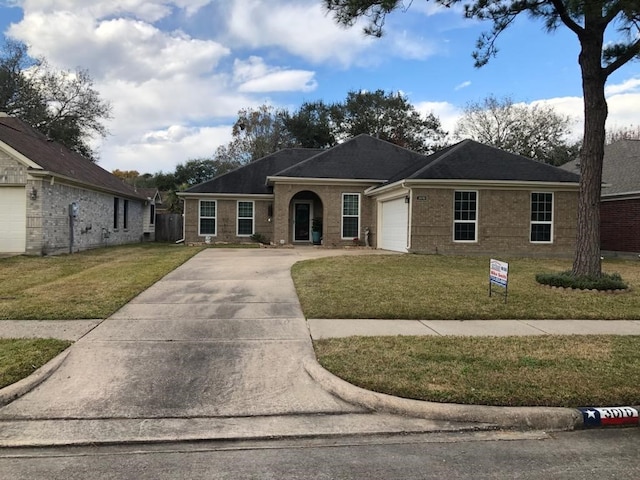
(451,148)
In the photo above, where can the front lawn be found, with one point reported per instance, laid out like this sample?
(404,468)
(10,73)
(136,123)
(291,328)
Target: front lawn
(448,287)
(21,357)
(90,284)
(562,371)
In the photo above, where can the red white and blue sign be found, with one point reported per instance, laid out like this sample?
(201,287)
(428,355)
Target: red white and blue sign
(499,272)
(610,416)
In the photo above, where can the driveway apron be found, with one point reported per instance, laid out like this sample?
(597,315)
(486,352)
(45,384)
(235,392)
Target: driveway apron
(221,336)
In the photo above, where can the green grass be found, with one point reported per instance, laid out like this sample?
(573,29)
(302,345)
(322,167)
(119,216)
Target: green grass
(448,287)
(21,357)
(91,284)
(568,371)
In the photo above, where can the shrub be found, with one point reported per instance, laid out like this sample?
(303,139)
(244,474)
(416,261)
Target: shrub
(259,238)
(568,280)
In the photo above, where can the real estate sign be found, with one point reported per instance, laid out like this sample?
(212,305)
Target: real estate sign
(499,275)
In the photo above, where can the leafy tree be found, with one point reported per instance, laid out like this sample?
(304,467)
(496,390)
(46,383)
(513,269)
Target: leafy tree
(200,170)
(388,116)
(63,105)
(532,131)
(257,133)
(590,21)
(312,125)
(129,176)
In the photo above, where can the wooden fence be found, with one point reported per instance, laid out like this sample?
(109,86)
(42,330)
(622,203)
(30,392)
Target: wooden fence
(169,227)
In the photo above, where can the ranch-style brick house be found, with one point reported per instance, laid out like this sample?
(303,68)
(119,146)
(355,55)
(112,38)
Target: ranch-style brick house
(53,200)
(620,197)
(468,198)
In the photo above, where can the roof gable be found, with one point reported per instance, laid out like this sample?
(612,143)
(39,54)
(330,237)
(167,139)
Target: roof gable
(250,179)
(58,160)
(471,160)
(363,157)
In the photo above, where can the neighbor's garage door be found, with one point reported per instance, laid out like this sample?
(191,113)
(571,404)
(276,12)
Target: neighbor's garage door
(394,225)
(13,218)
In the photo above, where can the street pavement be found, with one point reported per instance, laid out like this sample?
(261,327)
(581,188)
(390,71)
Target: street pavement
(220,349)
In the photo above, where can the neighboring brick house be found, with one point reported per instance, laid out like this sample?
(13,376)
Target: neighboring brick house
(53,200)
(466,199)
(620,198)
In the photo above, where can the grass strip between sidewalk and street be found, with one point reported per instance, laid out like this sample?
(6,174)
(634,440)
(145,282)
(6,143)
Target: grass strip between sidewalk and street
(437,287)
(563,371)
(89,284)
(21,357)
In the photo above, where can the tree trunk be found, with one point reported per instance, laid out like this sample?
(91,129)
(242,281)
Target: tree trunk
(587,256)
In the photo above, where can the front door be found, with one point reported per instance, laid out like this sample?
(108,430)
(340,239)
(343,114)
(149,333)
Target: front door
(301,222)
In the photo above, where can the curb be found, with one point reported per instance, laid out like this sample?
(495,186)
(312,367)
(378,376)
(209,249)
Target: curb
(11,392)
(529,418)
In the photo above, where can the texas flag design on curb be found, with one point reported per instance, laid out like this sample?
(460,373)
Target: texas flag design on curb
(602,417)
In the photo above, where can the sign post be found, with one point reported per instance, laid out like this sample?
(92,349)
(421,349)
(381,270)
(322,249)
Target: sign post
(499,275)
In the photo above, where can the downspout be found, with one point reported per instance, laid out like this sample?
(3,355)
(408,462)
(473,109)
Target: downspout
(184,226)
(409,214)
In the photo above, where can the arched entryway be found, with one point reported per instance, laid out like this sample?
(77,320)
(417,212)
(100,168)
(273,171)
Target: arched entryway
(304,207)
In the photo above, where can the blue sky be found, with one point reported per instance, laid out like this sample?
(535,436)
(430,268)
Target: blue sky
(178,71)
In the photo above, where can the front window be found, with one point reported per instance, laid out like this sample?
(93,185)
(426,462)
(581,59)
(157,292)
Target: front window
(465,216)
(207,217)
(125,215)
(116,211)
(541,217)
(350,215)
(245,219)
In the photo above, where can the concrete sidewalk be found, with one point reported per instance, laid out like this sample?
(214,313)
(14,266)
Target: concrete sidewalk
(331,328)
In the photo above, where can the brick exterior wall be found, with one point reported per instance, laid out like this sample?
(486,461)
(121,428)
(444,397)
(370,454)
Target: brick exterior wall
(503,223)
(328,205)
(48,222)
(620,225)
(226,220)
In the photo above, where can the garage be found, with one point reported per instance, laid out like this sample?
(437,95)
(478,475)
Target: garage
(394,225)
(13,220)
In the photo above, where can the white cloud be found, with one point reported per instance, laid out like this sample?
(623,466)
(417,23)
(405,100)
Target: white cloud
(162,150)
(462,85)
(298,27)
(254,75)
(630,85)
(445,111)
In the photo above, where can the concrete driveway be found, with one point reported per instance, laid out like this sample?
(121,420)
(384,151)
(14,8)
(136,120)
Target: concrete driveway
(222,335)
(213,350)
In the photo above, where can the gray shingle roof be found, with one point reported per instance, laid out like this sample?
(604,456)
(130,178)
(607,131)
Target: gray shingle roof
(59,160)
(470,160)
(251,178)
(620,167)
(362,157)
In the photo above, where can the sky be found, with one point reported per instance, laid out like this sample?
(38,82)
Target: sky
(177,72)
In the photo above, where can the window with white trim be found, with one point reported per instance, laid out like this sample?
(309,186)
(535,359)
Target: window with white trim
(350,215)
(245,218)
(465,216)
(208,217)
(541,217)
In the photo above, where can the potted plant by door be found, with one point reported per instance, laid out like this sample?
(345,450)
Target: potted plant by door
(316,230)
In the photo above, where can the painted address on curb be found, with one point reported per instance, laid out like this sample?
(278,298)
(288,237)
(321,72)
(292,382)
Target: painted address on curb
(610,416)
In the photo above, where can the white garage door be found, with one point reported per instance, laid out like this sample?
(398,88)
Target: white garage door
(394,225)
(13,220)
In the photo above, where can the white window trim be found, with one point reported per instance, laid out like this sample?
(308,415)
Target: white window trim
(253,218)
(342,215)
(537,222)
(475,222)
(201,217)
